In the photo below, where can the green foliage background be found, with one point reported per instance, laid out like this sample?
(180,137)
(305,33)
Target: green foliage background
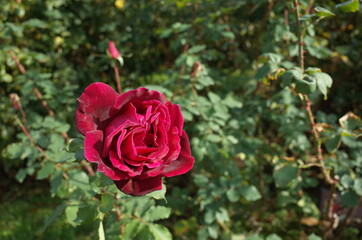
(257,174)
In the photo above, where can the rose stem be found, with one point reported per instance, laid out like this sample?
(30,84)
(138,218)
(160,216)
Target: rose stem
(45,104)
(318,143)
(118,79)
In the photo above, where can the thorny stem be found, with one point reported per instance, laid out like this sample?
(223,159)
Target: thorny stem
(118,79)
(318,142)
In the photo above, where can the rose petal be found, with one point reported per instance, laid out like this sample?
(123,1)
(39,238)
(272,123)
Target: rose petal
(173,154)
(121,165)
(129,114)
(139,95)
(93,146)
(109,139)
(176,116)
(139,187)
(84,122)
(96,103)
(183,163)
(111,172)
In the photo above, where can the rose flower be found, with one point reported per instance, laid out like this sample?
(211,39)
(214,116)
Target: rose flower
(136,138)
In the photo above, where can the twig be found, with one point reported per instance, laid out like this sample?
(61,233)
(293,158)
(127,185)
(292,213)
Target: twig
(17,62)
(318,143)
(88,168)
(118,79)
(329,208)
(32,141)
(44,103)
(118,211)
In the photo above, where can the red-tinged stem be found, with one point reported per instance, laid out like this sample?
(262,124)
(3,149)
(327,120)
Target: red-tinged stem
(118,79)
(32,141)
(318,143)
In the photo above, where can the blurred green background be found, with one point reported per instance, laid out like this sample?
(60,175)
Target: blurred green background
(256,174)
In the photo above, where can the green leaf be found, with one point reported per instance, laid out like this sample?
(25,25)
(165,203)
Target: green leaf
(71,214)
(291,76)
(233,195)
(314,237)
(160,232)
(254,237)
(358,186)
(56,213)
(64,156)
(214,98)
(284,198)
(347,181)
(322,12)
(273,57)
(56,182)
(201,180)
(209,216)
(213,138)
(196,49)
(131,229)
(34,22)
(222,215)
(283,176)
(350,199)
(323,80)
(87,214)
(231,102)
(80,179)
(273,236)
(20,175)
(157,213)
(333,143)
(213,231)
(348,6)
(107,202)
(45,171)
(250,193)
(228,34)
(159,194)
(306,85)
(15,150)
(311,70)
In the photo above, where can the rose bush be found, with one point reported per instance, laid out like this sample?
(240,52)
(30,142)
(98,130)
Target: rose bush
(136,138)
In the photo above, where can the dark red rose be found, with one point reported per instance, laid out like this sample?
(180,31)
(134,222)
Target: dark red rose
(136,138)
